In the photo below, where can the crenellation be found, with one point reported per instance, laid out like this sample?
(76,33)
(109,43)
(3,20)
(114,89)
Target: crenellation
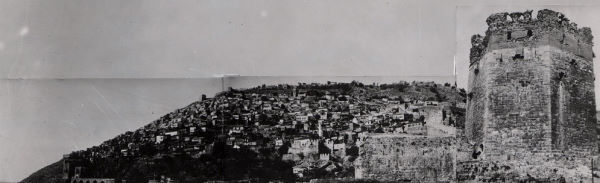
(510,30)
(477,48)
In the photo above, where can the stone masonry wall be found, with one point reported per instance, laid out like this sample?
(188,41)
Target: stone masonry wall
(518,98)
(407,158)
(531,103)
(573,116)
(475,103)
(531,86)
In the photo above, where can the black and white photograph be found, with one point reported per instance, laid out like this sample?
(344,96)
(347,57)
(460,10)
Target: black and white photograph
(156,91)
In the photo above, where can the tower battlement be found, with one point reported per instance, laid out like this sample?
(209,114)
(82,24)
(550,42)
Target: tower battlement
(520,29)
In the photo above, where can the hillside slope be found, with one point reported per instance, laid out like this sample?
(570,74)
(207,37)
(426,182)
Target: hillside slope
(48,174)
(247,134)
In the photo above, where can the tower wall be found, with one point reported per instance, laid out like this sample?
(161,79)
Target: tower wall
(573,101)
(531,87)
(516,116)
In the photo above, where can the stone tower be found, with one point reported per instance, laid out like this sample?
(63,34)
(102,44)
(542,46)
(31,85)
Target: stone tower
(531,88)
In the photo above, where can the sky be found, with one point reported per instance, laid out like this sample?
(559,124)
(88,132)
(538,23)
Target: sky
(76,73)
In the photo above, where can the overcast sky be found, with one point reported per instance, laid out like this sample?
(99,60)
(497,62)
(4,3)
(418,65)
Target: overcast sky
(42,117)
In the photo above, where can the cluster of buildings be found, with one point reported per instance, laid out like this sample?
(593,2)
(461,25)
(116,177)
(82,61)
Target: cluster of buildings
(530,117)
(317,126)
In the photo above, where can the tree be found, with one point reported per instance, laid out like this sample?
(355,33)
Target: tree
(352,151)
(148,149)
(422,119)
(263,117)
(284,148)
(323,148)
(462,92)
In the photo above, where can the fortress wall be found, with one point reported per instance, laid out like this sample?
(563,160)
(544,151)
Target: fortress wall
(540,102)
(518,115)
(434,125)
(476,99)
(573,117)
(542,167)
(531,104)
(524,111)
(464,150)
(407,158)
(433,115)
(531,86)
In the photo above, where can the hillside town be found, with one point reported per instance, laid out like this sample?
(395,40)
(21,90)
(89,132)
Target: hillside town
(311,130)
